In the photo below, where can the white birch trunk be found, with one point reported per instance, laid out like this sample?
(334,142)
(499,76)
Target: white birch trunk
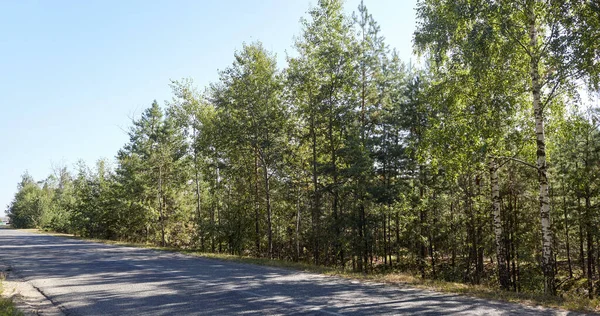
(547,257)
(503,275)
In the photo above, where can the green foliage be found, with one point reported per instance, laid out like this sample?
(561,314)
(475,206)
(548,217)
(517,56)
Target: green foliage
(30,206)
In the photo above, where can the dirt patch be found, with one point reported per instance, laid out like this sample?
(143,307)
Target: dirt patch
(25,296)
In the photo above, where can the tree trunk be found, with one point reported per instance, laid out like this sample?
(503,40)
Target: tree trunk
(198,197)
(336,218)
(503,274)
(160,207)
(432,256)
(568,245)
(363,235)
(217,203)
(397,245)
(536,86)
(298,226)
(453,233)
(389,243)
(198,208)
(590,249)
(432,238)
(212,226)
(581,251)
(515,245)
(422,223)
(385,254)
(316,195)
(269,215)
(256,207)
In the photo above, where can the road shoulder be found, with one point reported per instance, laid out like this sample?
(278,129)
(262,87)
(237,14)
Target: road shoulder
(27,299)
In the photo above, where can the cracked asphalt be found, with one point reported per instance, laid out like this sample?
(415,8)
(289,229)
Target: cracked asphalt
(86,278)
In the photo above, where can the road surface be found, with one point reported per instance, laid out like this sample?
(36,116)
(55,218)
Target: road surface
(85,278)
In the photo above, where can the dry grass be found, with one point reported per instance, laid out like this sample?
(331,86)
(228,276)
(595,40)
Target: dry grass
(7,307)
(567,302)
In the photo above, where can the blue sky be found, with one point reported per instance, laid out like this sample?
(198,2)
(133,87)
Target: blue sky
(74,72)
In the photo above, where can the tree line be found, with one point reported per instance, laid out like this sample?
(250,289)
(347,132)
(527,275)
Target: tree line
(480,166)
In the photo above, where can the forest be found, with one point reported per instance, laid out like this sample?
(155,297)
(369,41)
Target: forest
(479,164)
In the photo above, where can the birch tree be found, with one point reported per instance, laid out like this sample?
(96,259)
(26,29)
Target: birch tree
(553,37)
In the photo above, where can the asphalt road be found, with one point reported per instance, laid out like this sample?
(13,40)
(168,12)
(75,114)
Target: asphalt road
(85,278)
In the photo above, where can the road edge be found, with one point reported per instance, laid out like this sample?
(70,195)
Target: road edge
(27,298)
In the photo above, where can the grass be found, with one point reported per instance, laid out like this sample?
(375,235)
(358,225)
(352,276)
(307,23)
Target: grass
(568,301)
(7,306)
